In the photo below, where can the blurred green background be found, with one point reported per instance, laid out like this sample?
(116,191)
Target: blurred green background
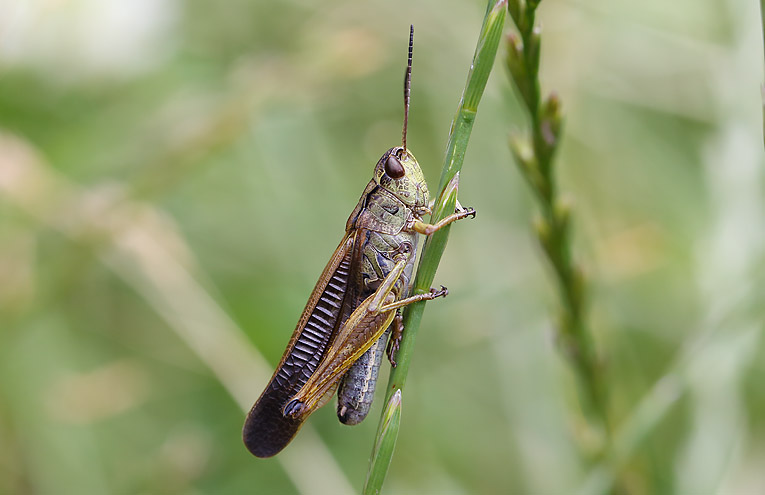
(175,174)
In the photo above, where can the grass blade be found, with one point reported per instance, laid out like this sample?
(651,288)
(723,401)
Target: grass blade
(459,135)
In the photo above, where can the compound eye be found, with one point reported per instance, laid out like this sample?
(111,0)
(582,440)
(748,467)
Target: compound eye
(394,168)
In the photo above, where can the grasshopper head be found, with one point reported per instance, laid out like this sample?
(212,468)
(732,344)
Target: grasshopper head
(399,173)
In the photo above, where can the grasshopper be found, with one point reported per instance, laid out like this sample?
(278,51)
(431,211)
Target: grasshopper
(342,332)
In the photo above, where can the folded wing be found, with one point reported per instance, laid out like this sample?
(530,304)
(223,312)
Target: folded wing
(267,430)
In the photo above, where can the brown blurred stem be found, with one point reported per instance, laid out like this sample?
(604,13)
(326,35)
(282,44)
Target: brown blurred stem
(535,158)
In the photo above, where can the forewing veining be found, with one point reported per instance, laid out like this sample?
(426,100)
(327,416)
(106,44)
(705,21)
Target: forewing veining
(267,430)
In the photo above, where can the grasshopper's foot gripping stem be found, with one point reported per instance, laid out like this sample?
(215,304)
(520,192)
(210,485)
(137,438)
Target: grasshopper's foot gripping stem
(464,212)
(442,292)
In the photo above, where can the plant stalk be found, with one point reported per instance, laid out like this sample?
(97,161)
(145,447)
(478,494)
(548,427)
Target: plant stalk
(535,155)
(446,198)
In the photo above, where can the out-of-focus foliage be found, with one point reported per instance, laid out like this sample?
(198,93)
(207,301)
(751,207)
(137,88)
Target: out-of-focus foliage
(174,175)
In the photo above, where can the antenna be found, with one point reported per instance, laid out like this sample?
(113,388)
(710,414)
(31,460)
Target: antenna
(407,85)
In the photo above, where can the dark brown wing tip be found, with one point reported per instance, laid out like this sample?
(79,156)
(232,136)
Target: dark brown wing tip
(258,450)
(263,445)
(266,430)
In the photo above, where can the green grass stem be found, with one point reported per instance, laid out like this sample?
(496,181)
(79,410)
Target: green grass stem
(382,453)
(462,125)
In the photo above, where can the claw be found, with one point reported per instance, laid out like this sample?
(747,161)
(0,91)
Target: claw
(443,292)
(395,338)
(393,346)
(468,211)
